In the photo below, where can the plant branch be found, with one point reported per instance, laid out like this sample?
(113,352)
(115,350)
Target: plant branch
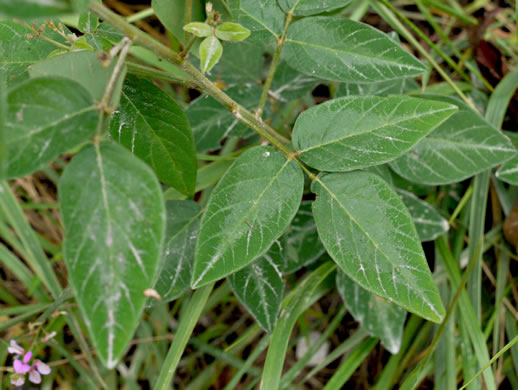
(124,47)
(141,38)
(275,62)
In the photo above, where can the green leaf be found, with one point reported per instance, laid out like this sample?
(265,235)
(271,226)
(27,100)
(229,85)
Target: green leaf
(183,222)
(508,172)
(32,9)
(85,68)
(383,171)
(360,131)
(211,121)
(210,53)
(427,220)
(172,15)
(88,22)
(288,84)
(260,288)
(300,245)
(17,51)
(383,88)
(198,29)
(368,231)
(247,211)
(155,128)
(344,50)
(311,7)
(46,117)
(379,317)
(113,213)
(264,18)
(232,32)
(464,145)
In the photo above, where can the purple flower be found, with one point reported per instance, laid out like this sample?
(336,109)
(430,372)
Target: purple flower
(17,379)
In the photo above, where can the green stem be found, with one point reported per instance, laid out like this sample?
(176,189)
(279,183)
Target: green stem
(145,13)
(110,87)
(187,323)
(275,62)
(188,16)
(141,38)
(146,71)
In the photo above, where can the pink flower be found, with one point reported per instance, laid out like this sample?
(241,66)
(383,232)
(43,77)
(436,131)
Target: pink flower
(22,367)
(36,369)
(14,348)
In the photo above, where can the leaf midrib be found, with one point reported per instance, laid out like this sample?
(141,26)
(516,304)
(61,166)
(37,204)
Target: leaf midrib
(354,54)
(338,140)
(319,181)
(225,243)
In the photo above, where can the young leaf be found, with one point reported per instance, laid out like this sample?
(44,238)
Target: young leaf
(344,50)
(248,210)
(113,212)
(508,172)
(17,51)
(183,222)
(155,128)
(264,18)
(427,220)
(32,9)
(84,67)
(88,22)
(379,317)
(311,7)
(260,288)
(300,245)
(464,145)
(360,131)
(198,29)
(211,121)
(368,231)
(232,32)
(210,53)
(172,15)
(46,117)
